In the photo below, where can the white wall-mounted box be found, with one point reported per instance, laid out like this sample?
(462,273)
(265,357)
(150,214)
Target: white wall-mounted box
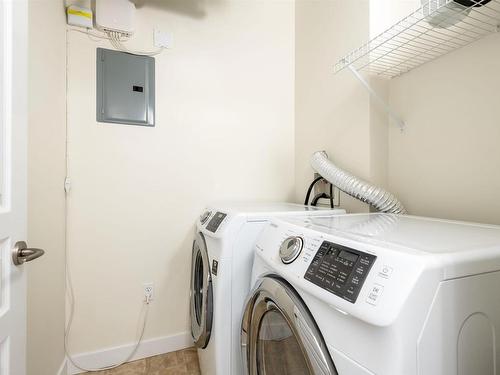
(79,16)
(115,16)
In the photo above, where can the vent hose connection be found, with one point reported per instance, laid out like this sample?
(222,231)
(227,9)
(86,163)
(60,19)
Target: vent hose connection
(379,198)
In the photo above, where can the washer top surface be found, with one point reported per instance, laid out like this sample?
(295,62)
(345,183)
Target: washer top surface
(425,235)
(263,211)
(265,208)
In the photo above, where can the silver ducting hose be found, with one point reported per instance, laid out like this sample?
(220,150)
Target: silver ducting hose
(379,198)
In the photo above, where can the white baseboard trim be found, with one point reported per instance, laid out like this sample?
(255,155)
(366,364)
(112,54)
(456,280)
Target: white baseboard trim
(148,348)
(63,369)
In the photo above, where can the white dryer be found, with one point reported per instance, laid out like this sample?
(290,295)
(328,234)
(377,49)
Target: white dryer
(374,294)
(220,278)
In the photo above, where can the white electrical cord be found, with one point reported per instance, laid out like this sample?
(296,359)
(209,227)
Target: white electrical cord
(90,34)
(69,282)
(144,312)
(116,39)
(72,303)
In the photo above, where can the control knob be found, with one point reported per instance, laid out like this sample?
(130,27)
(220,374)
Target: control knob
(204,217)
(290,249)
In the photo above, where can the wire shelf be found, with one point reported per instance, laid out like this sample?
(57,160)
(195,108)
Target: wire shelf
(435,29)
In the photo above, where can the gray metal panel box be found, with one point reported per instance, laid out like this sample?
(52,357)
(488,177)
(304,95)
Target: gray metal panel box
(125,88)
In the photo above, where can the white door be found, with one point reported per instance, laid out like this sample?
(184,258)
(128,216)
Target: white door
(13,140)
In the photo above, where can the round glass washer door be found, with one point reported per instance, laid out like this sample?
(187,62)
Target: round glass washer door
(201,293)
(279,334)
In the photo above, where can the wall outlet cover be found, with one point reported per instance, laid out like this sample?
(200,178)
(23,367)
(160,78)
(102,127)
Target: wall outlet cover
(324,187)
(149,290)
(163,39)
(321,186)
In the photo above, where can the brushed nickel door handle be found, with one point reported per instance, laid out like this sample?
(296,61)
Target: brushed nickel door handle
(21,253)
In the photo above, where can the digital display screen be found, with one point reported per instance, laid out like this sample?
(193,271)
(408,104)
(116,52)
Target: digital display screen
(348,256)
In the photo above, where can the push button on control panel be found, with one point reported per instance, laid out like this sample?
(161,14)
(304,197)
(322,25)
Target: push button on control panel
(374,294)
(340,270)
(385,272)
(360,270)
(351,291)
(364,260)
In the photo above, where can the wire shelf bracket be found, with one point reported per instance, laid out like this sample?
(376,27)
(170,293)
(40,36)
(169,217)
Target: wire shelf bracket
(380,100)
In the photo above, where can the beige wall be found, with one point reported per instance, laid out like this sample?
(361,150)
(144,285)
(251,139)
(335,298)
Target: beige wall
(333,111)
(446,163)
(224,130)
(46,171)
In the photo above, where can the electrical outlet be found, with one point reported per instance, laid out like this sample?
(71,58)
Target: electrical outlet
(323,186)
(148,291)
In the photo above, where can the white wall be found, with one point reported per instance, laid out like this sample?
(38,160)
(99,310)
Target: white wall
(446,163)
(46,171)
(333,111)
(224,130)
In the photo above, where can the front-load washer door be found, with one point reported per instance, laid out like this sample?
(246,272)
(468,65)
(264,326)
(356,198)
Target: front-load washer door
(201,294)
(279,335)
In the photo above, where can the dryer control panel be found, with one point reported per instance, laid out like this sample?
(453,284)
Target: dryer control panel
(216,221)
(340,270)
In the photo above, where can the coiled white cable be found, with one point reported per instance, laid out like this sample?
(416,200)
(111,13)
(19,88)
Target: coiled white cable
(115,39)
(144,313)
(72,308)
(69,282)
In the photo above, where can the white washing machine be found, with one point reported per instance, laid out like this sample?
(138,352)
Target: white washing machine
(220,281)
(374,294)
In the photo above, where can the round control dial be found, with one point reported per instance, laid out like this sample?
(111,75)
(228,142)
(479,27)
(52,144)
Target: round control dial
(290,249)
(204,217)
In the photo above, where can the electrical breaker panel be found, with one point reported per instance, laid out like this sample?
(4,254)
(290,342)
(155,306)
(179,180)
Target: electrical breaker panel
(125,88)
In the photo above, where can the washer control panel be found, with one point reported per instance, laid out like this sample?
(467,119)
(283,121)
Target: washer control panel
(340,270)
(216,221)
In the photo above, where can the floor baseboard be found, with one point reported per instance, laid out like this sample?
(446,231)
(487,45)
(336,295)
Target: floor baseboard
(148,348)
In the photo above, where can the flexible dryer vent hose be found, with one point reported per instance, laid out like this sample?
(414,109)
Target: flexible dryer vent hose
(379,198)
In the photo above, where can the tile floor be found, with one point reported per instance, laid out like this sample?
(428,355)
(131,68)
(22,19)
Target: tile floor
(183,362)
